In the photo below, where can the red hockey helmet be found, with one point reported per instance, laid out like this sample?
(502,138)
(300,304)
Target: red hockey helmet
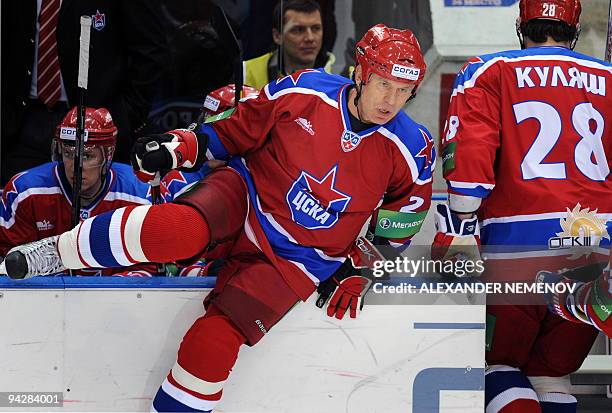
(391,53)
(99,131)
(224,98)
(99,127)
(567,11)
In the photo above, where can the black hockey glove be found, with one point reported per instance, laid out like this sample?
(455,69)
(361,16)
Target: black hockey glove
(177,149)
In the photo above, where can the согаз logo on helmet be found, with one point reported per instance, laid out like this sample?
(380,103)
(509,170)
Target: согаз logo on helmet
(405,72)
(69,134)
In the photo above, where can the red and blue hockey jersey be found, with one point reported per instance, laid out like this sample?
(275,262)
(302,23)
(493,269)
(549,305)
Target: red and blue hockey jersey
(529,131)
(314,183)
(36,204)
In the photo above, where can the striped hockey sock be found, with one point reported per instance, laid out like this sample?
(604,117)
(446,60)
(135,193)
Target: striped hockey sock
(558,403)
(131,235)
(206,356)
(507,390)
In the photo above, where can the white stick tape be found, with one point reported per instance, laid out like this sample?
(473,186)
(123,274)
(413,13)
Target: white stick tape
(84,51)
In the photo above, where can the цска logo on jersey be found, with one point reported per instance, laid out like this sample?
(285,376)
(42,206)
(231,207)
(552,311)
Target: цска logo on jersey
(315,203)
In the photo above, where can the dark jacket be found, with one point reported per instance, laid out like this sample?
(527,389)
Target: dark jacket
(126,57)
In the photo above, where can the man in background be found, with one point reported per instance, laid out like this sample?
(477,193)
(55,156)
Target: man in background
(298,42)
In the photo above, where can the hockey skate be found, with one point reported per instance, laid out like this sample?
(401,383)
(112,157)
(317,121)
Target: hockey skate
(35,258)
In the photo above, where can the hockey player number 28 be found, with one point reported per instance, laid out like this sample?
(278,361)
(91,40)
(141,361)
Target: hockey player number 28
(589,155)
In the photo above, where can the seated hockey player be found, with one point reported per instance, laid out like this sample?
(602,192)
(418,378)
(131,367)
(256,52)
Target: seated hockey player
(224,98)
(36,203)
(527,162)
(216,102)
(309,162)
(220,100)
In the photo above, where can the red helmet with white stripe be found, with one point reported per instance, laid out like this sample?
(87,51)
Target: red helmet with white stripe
(224,98)
(391,53)
(567,11)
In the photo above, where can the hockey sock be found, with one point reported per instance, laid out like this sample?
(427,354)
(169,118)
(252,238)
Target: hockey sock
(557,403)
(507,390)
(205,358)
(553,393)
(172,232)
(130,235)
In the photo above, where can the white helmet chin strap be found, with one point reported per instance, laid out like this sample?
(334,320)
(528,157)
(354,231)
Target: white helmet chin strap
(358,95)
(575,39)
(519,34)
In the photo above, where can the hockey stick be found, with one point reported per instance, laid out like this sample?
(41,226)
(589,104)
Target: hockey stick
(227,33)
(156,197)
(280,58)
(608,55)
(77,175)
(155,182)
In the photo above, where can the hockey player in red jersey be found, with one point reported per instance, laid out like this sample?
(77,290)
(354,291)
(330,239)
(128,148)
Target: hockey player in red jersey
(527,155)
(37,203)
(310,160)
(215,103)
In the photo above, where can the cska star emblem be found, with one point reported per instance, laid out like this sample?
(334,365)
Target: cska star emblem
(316,203)
(427,151)
(98,20)
(166,188)
(349,140)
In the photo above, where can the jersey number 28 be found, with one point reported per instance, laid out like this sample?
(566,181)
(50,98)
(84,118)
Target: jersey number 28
(589,155)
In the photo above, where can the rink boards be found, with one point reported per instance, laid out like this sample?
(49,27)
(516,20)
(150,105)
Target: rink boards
(107,343)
